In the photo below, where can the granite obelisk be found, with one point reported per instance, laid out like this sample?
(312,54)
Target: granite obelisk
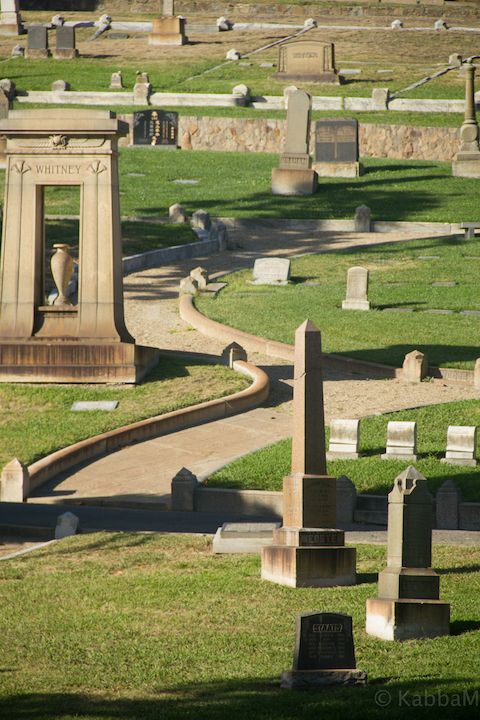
(308,551)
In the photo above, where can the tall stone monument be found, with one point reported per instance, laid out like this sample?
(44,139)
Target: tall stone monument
(86,342)
(408,604)
(10,23)
(170,28)
(308,551)
(295,176)
(466,162)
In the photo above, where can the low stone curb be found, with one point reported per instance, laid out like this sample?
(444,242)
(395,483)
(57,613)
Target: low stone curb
(99,445)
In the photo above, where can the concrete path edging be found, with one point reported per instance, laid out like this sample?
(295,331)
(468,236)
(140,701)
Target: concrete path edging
(99,445)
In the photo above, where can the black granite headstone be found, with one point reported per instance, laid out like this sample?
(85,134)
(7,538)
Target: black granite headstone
(155,127)
(324,641)
(336,140)
(65,38)
(37,37)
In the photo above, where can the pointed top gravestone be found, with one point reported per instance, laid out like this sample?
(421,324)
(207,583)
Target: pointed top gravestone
(308,441)
(298,122)
(295,176)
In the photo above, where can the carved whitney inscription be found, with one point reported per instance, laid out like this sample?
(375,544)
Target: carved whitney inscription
(55,169)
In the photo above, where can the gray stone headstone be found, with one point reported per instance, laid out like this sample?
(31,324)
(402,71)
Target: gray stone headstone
(271,271)
(183,488)
(447,499)
(401,441)
(247,537)
(357,289)
(408,603)
(336,140)
(380,98)
(362,220)
(37,37)
(324,641)
(346,500)
(65,36)
(298,123)
(67,524)
(188,286)
(201,220)
(91,405)
(234,352)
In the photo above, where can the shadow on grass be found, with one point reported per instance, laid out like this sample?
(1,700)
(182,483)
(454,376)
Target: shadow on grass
(244,699)
(438,355)
(459,627)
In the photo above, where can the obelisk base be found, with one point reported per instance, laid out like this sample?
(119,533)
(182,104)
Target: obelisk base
(286,181)
(407,619)
(309,557)
(466,164)
(319,679)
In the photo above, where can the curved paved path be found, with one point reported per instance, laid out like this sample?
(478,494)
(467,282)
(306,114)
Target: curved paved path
(142,473)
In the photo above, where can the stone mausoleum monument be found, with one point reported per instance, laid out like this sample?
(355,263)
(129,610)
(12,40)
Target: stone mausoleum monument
(86,342)
(308,551)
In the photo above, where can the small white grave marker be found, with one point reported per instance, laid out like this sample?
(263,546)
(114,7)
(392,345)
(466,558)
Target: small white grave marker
(88,405)
(401,441)
(271,271)
(461,445)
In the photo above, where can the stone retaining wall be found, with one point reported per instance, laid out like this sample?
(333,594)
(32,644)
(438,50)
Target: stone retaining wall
(266,135)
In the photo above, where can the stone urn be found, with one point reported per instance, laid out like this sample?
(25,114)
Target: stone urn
(62,271)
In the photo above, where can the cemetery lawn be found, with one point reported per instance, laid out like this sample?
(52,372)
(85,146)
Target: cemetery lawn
(265,468)
(142,627)
(235,184)
(399,280)
(37,420)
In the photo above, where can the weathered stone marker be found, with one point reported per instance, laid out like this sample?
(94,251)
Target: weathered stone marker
(343,440)
(87,342)
(295,176)
(116,81)
(415,366)
(271,271)
(357,289)
(169,30)
(324,653)
(307,551)
(408,604)
(401,441)
(466,162)
(243,537)
(308,61)
(65,38)
(14,482)
(37,44)
(461,445)
(336,148)
(363,219)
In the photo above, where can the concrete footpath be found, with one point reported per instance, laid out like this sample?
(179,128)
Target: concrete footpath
(140,475)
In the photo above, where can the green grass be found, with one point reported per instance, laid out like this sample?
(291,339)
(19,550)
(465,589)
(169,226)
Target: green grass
(142,627)
(399,280)
(239,185)
(264,469)
(36,420)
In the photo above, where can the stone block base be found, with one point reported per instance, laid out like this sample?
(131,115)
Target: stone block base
(466,166)
(338,169)
(245,537)
(167,39)
(399,456)
(10,28)
(65,54)
(37,54)
(294,182)
(355,305)
(407,619)
(342,455)
(309,566)
(470,462)
(78,361)
(319,679)
(327,77)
